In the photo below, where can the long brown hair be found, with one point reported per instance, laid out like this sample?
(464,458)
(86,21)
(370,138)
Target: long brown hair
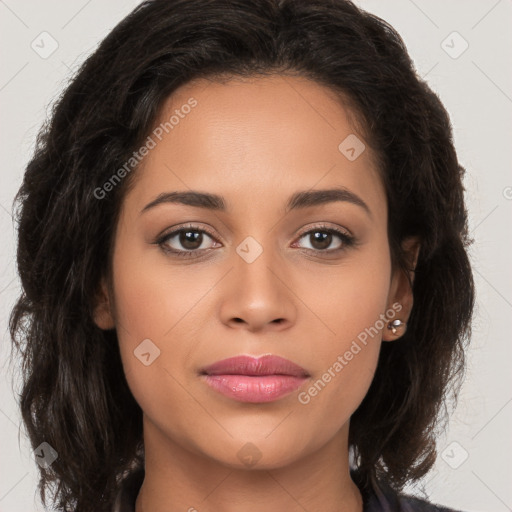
(74,394)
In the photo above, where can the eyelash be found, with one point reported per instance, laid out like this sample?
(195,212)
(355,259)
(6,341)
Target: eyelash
(347,240)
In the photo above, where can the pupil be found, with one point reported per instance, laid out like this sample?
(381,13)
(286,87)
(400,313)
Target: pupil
(323,239)
(189,239)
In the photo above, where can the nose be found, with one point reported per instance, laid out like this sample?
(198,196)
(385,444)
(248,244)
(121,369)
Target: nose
(258,296)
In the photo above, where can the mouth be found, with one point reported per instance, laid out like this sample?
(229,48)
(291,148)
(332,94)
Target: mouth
(254,380)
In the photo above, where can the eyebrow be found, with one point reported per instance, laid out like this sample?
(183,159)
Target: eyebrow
(303,199)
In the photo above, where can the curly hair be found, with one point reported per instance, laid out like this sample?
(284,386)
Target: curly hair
(74,394)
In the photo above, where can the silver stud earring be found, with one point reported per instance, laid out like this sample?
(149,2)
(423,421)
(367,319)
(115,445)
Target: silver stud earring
(395,325)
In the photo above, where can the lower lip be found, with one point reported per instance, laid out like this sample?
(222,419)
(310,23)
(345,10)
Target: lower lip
(257,389)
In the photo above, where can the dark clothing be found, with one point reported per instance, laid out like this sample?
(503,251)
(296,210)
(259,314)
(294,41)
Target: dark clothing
(379,500)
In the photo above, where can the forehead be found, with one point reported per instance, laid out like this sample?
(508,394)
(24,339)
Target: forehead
(260,137)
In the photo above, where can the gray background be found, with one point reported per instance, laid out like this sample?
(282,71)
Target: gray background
(472,472)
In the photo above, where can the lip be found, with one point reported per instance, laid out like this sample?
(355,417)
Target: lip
(255,380)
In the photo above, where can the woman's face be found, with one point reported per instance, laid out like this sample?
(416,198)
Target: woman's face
(267,272)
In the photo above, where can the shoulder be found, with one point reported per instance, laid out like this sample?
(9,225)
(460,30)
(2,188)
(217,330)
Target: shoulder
(382,498)
(385,499)
(412,504)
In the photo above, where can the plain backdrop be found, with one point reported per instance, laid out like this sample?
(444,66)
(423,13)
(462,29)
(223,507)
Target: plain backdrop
(463,49)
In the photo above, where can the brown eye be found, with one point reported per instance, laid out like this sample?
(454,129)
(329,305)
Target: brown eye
(185,241)
(322,240)
(190,240)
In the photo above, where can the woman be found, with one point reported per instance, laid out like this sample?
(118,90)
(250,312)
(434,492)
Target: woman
(233,206)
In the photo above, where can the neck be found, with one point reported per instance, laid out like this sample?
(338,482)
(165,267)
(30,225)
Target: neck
(178,479)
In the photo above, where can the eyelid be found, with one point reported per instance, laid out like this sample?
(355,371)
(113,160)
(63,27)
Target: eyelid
(175,230)
(346,237)
(325,226)
(183,227)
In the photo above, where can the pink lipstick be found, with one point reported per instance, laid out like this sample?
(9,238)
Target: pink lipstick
(256,380)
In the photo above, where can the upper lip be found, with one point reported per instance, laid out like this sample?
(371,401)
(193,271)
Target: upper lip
(248,365)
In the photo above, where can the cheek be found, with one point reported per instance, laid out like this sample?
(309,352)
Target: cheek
(349,298)
(158,311)
(353,305)
(142,312)
(148,307)
(151,296)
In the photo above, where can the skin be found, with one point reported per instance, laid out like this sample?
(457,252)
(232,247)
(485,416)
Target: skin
(255,142)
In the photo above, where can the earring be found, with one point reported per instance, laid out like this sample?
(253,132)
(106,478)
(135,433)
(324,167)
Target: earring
(395,325)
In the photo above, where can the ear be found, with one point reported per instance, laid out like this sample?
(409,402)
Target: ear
(103,316)
(401,288)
